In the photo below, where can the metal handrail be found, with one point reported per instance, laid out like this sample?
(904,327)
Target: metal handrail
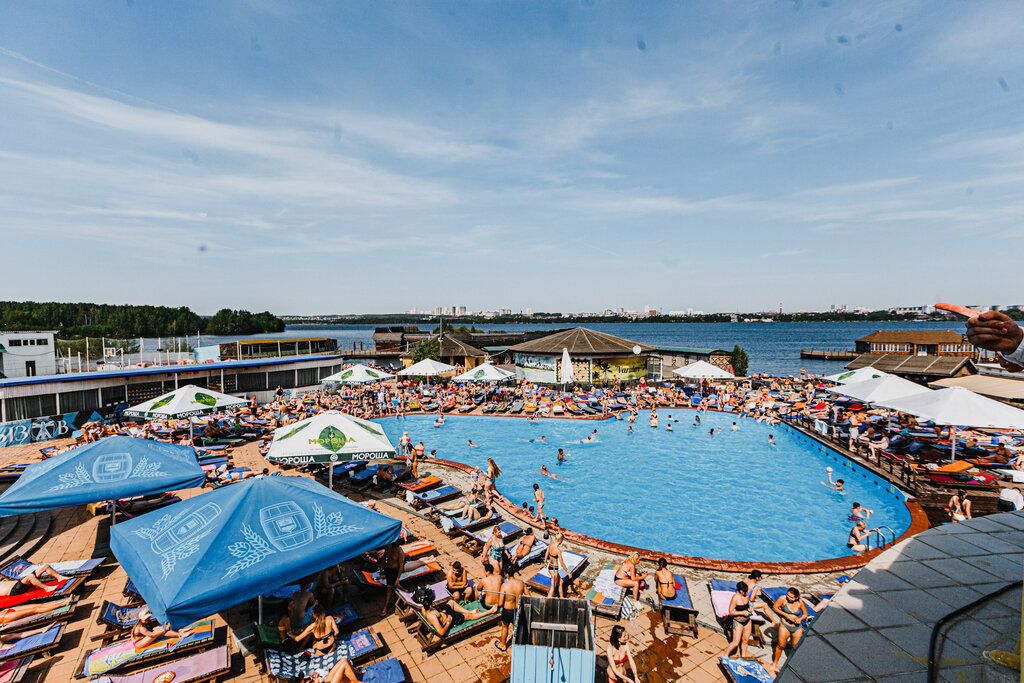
(881,537)
(932,672)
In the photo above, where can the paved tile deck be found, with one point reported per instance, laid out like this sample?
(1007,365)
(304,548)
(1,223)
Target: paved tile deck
(660,657)
(878,626)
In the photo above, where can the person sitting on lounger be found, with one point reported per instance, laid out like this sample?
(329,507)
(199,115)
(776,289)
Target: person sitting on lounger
(621,667)
(792,613)
(664,581)
(31,581)
(444,617)
(628,576)
(342,672)
(147,629)
(458,583)
(525,544)
(323,631)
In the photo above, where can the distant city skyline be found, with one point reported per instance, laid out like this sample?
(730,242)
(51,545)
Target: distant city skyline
(561,156)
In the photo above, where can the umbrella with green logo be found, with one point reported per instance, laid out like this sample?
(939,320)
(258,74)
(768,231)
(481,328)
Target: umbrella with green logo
(357,374)
(485,373)
(185,402)
(327,438)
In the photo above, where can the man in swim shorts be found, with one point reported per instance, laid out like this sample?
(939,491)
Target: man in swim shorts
(538,497)
(511,590)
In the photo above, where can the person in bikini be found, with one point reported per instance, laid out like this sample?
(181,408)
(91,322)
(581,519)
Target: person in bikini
(792,614)
(628,576)
(741,612)
(324,632)
(857,542)
(619,657)
(33,580)
(555,564)
(12,614)
(525,545)
(147,629)
(664,581)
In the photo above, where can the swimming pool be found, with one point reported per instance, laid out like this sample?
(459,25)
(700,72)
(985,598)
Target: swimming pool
(730,496)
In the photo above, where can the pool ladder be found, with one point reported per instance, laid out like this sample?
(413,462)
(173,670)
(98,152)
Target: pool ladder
(881,537)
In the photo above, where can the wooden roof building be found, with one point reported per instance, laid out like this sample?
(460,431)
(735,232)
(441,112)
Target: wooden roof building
(926,368)
(915,343)
(582,342)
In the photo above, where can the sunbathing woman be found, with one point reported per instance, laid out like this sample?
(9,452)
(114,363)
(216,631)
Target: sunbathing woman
(342,672)
(664,581)
(32,581)
(12,614)
(628,576)
(525,545)
(324,632)
(450,614)
(147,629)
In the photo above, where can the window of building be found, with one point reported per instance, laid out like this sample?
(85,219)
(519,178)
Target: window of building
(307,377)
(27,407)
(283,378)
(252,381)
(112,395)
(81,401)
(41,342)
(15,342)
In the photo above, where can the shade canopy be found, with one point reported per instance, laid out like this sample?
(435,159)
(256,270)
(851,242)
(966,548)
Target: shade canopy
(565,370)
(329,437)
(213,551)
(959,406)
(108,469)
(428,367)
(357,374)
(885,388)
(858,375)
(186,401)
(485,373)
(702,370)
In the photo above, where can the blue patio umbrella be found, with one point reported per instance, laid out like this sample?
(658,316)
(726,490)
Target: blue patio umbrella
(213,551)
(108,469)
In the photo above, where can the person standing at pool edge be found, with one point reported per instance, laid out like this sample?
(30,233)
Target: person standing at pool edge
(538,497)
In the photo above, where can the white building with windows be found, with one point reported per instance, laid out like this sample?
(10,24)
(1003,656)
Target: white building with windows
(27,354)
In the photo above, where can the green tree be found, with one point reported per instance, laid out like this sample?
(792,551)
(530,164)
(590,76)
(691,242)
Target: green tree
(739,360)
(428,348)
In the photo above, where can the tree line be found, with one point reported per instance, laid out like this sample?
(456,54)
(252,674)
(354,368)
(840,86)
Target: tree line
(110,320)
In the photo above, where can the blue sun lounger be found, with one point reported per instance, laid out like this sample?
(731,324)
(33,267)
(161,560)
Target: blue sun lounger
(678,614)
(745,671)
(388,671)
(357,646)
(434,496)
(452,526)
(475,541)
(18,567)
(362,476)
(541,581)
(34,644)
(536,551)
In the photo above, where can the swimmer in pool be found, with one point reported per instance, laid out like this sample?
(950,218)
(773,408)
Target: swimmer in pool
(771,440)
(630,429)
(712,432)
(561,455)
(858,512)
(696,419)
(668,427)
(540,440)
(471,444)
(532,419)
(735,427)
(836,485)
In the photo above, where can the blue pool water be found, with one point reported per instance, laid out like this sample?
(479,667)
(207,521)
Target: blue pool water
(729,497)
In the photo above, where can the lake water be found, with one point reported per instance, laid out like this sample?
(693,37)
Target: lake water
(773,347)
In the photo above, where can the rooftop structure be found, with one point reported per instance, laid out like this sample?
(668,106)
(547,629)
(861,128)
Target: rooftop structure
(916,343)
(918,367)
(27,353)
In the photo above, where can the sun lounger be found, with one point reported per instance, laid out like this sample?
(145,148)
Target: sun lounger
(123,653)
(362,476)
(536,551)
(64,587)
(452,525)
(117,620)
(18,567)
(387,671)
(345,616)
(722,591)
(61,613)
(418,548)
(605,596)
(432,642)
(473,542)
(541,581)
(359,646)
(196,668)
(418,500)
(745,670)
(981,479)
(375,578)
(678,615)
(131,593)
(407,607)
(39,643)
(421,484)
(773,593)
(14,670)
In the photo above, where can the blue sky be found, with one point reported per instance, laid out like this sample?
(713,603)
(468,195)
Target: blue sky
(374,156)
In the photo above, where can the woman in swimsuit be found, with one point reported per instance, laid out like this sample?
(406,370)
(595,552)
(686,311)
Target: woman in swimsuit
(342,672)
(324,632)
(741,613)
(665,581)
(628,576)
(494,551)
(13,614)
(621,667)
(147,629)
(553,562)
(858,536)
(792,613)
(450,614)
(32,581)
(959,507)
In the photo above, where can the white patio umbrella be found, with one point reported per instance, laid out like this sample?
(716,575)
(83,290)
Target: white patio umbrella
(566,374)
(878,389)
(185,402)
(958,406)
(428,367)
(702,370)
(327,438)
(487,372)
(357,374)
(858,375)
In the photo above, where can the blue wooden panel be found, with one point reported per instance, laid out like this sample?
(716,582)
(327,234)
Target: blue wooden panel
(531,664)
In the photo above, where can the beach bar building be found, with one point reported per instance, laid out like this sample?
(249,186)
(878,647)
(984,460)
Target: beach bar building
(597,357)
(915,343)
